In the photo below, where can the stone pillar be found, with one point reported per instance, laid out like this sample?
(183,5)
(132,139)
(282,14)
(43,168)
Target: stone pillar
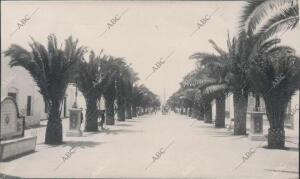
(256,126)
(214,107)
(295,111)
(230,106)
(75,123)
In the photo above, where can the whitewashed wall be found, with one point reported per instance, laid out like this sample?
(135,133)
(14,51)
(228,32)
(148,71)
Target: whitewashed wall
(18,80)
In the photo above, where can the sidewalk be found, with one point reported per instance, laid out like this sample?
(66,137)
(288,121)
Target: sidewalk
(292,136)
(191,149)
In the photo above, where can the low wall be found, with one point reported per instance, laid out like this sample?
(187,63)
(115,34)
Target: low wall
(16,147)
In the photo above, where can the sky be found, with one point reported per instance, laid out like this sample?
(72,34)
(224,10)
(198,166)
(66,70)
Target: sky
(146,32)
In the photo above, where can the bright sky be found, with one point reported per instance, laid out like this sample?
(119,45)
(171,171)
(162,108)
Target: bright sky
(144,34)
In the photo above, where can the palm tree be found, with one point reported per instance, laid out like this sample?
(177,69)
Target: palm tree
(136,97)
(109,93)
(124,83)
(275,75)
(235,65)
(188,95)
(120,91)
(176,102)
(191,97)
(201,105)
(207,110)
(89,82)
(218,67)
(285,16)
(251,24)
(129,92)
(145,99)
(51,70)
(128,100)
(110,71)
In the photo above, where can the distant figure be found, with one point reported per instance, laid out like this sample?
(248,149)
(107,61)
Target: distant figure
(102,119)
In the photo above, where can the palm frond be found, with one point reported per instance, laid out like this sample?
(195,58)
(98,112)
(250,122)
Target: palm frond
(217,48)
(282,48)
(247,12)
(286,20)
(268,44)
(206,58)
(198,83)
(22,58)
(259,10)
(278,75)
(214,90)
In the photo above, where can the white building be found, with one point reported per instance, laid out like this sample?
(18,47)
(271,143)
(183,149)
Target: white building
(17,83)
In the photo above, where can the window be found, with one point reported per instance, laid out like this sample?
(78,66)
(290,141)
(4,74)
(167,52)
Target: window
(14,95)
(28,111)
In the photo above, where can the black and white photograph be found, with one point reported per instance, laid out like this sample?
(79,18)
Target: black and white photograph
(150,89)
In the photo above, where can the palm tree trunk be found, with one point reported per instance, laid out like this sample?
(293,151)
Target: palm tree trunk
(186,111)
(189,111)
(208,113)
(121,112)
(134,111)
(276,109)
(220,112)
(200,113)
(240,102)
(128,111)
(110,111)
(54,124)
(201,116)
(91,116)
(194,112)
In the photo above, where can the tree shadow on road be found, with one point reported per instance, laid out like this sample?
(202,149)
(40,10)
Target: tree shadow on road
(282,171)
(117,131)
(122,124)
(223,132)
(289,149)
(81,144)
(4,176)
(219,131)
(206,126)
(136,120)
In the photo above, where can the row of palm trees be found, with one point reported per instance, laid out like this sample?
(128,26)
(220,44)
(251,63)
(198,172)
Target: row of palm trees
(254,62)
(54,68)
